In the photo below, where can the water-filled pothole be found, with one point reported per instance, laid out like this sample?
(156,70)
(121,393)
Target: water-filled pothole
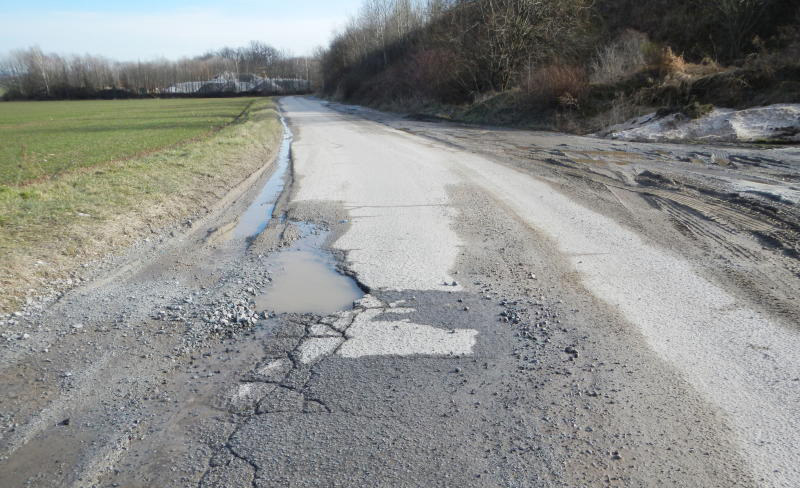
(255,219)
(305,279)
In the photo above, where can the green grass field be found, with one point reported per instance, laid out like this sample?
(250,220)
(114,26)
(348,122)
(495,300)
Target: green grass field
(119,170)
(44,139)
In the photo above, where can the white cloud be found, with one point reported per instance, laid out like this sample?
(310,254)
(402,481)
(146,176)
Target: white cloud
(171,35)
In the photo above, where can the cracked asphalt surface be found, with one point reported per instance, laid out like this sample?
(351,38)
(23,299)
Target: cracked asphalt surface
(539,310)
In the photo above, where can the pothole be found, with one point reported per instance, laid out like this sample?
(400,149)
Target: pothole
(255,219)
(305,279)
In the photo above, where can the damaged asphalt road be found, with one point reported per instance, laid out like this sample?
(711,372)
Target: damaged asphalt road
(604,316)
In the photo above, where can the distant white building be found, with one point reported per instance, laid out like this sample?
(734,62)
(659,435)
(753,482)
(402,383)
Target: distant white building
(242,83)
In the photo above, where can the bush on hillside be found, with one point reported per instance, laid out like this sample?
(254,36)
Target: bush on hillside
(557,84)
(627,54)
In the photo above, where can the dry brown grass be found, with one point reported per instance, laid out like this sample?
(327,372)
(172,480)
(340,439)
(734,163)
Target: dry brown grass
(558,84)
(671,63)
(673,67)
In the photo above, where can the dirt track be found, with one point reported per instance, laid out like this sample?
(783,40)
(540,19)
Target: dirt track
(544,310)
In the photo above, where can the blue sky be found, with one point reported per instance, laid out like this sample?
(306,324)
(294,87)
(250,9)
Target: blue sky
(147,29)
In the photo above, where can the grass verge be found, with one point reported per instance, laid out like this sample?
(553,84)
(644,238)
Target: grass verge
(49,227)
(39,140)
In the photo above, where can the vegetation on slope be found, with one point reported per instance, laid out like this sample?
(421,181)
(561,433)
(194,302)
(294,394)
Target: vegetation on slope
(570,64)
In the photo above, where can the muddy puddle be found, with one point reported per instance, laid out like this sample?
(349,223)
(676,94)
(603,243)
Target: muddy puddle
(305,279)
(255,219)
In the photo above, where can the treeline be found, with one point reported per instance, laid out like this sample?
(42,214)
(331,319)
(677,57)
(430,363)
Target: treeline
(32,74)
(455,51)
(449,49)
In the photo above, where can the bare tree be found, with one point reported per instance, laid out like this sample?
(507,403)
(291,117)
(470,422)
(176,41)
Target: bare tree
(738,18)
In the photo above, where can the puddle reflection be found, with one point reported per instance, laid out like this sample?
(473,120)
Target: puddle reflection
(255,219)
(305,280)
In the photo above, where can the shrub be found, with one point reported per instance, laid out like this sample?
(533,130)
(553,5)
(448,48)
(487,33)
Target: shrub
(673,67)
(671,63)
(621,109)
(557,84)
(738,21)
(695,109)
(436,74)
(620,59)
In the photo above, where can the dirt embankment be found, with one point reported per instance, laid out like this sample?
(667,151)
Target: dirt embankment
(773,124)
(632,81)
